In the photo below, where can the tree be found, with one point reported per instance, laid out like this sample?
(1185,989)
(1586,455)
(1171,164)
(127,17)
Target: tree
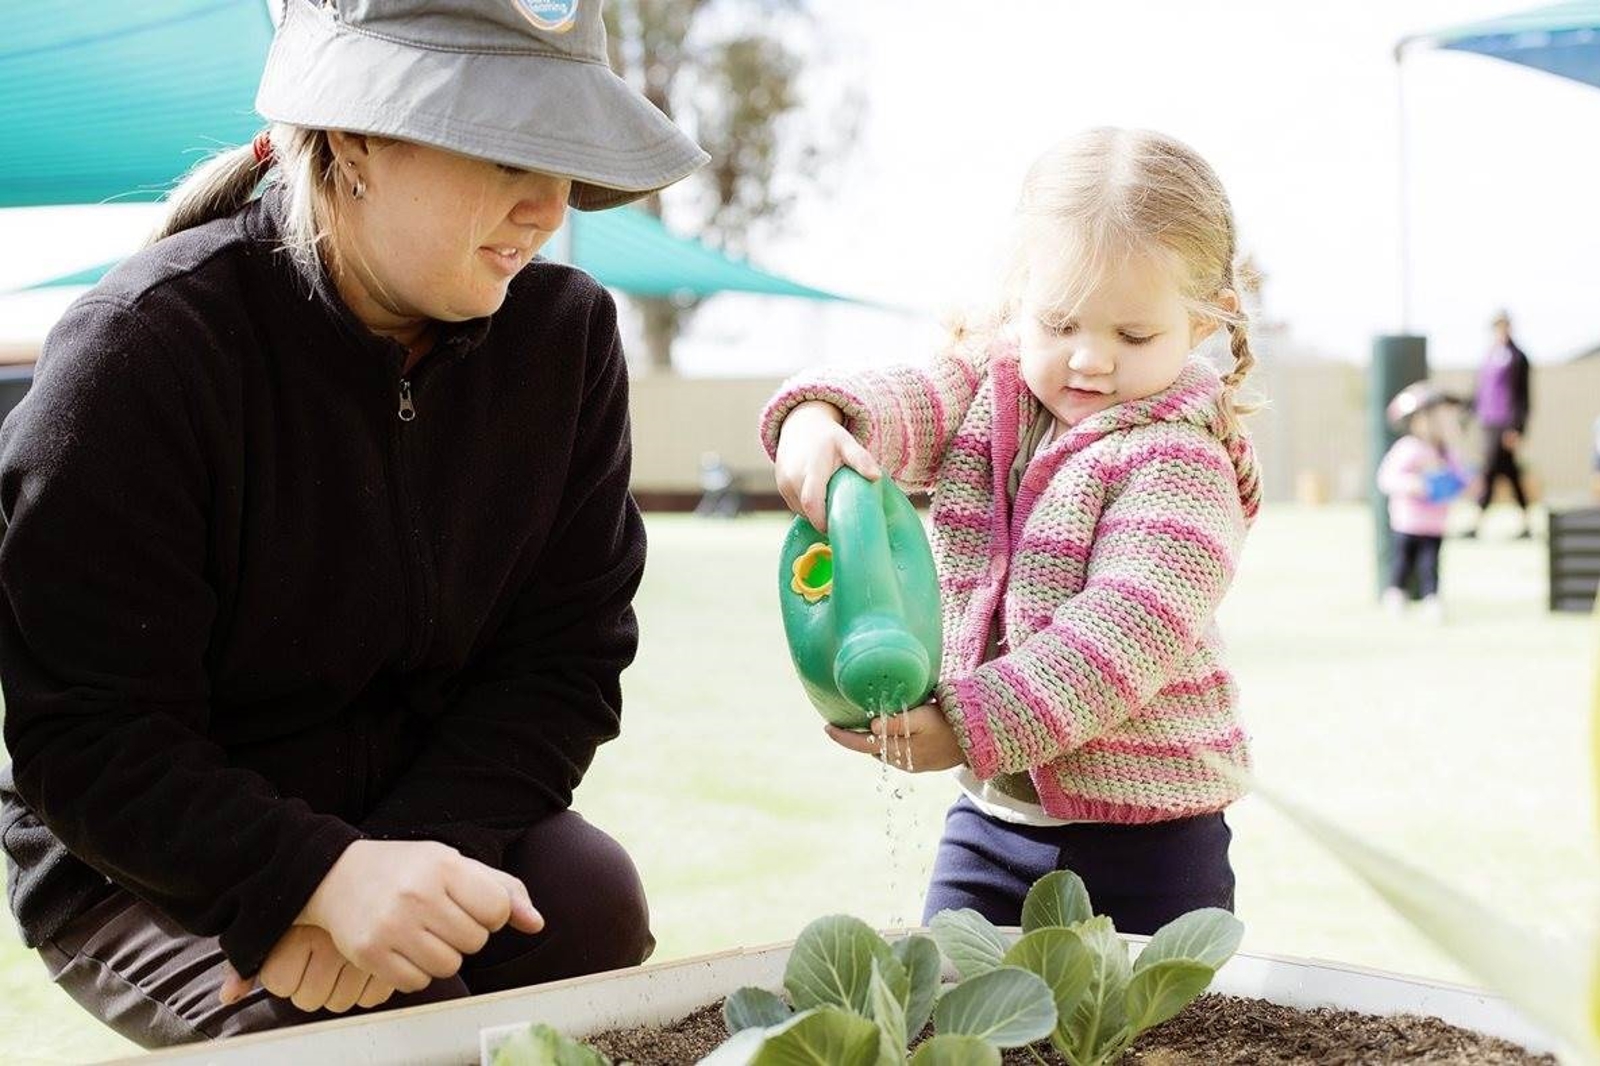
(729,73)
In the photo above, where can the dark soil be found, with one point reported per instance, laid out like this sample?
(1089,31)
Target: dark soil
(1211,1031)
(686,1041)
(1228,1031)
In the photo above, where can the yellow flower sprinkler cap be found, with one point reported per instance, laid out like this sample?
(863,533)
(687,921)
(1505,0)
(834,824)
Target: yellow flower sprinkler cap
(813,573)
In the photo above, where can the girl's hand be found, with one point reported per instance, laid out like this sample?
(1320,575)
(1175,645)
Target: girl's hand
(407,911)
(307,970)
(812,444)
(918,740)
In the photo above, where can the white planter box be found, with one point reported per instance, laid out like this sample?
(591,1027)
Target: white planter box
(458,1032)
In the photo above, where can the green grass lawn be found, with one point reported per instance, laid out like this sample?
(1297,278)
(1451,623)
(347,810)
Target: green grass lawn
(1464,748)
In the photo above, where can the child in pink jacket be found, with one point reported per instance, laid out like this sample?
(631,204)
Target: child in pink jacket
(1092,488)
(1421,475)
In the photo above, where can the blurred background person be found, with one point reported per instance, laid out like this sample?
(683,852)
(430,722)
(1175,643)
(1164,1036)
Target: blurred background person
(1421,474)
(1502,406)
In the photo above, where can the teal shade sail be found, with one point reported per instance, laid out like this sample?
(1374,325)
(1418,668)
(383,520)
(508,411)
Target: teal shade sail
(633,252)
(626,250)
(87,276)
(115,101)
(1562,39)
(104,102)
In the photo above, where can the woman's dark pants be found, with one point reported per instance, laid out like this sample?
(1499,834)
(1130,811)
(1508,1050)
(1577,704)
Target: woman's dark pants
(140,973)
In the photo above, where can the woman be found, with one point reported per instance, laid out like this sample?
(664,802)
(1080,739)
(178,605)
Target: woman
(1502,404)
(319,557)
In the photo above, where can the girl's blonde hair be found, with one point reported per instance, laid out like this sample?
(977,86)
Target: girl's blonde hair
(1107,195)
(304,166)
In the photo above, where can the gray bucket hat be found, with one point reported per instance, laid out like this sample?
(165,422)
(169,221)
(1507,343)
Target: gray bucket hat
(520,82)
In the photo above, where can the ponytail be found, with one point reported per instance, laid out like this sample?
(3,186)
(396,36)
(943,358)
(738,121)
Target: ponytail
(1244,360)
(215,188)
(296,158)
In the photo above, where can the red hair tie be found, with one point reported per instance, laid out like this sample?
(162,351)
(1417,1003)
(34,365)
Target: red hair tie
(262,147)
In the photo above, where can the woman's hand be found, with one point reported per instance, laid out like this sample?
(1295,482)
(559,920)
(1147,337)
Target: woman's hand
(407,911)
(917,741)
(306,969)
(812,444)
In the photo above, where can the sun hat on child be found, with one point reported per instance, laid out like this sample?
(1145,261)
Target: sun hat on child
(1418,396)
(525,83)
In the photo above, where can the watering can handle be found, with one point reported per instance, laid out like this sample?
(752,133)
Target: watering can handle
(861,607)
(881,666)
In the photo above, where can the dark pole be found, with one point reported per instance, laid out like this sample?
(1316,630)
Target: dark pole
(1397,361)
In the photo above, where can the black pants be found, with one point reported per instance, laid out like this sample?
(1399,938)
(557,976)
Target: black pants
(1500,462)
(1142,876)
(135,969)
(1419,556)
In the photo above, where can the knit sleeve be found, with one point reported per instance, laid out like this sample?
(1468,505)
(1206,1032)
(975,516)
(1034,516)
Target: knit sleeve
(904,415)
(1164,555)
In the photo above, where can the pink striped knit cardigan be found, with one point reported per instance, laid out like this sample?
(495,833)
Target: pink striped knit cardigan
(1106,575)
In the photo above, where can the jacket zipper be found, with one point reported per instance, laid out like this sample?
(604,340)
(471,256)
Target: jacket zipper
(419,576)
(419,572)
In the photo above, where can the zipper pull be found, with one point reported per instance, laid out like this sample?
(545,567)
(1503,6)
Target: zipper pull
(407,411)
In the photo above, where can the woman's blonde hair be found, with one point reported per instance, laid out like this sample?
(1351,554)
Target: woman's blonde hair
(303,164)
(1107,195)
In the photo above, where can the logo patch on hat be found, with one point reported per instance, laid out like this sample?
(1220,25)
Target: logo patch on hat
(552,16)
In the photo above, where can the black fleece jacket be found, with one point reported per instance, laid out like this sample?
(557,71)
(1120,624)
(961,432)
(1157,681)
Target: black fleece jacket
(250,613)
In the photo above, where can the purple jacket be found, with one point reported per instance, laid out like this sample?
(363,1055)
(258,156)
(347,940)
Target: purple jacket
(1502,399)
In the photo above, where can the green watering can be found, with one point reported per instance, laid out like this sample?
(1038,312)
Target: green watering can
(861,606)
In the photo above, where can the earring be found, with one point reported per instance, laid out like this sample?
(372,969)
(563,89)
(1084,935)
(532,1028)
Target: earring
(358,188)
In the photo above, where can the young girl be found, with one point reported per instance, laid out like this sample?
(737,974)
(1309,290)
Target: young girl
(1092,488)
(1420,474)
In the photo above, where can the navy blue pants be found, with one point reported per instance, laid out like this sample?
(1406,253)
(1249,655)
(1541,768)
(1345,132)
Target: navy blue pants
(1419,556)
(1142,876)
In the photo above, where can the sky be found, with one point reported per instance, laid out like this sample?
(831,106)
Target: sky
(1296,106)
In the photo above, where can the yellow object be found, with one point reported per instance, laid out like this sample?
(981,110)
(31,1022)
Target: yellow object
(1594,727)
(805,565)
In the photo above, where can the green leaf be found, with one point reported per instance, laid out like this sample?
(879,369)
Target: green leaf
(1160,991)
(753,1008)
(737,1050)
(1056,899)
(827,1036)
(920,956)
(1007,1006)
(831,964)
(1545,978)
(1208,936)
(1100,1013)
(889,1012)
(540,1045)
(968,940)
(949,1049)
(1064,962)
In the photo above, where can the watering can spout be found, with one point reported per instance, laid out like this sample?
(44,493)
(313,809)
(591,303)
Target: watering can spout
(881,668)
(861,606)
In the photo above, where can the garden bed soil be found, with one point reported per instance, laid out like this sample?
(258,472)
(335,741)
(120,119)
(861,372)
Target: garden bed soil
(1214,1030)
